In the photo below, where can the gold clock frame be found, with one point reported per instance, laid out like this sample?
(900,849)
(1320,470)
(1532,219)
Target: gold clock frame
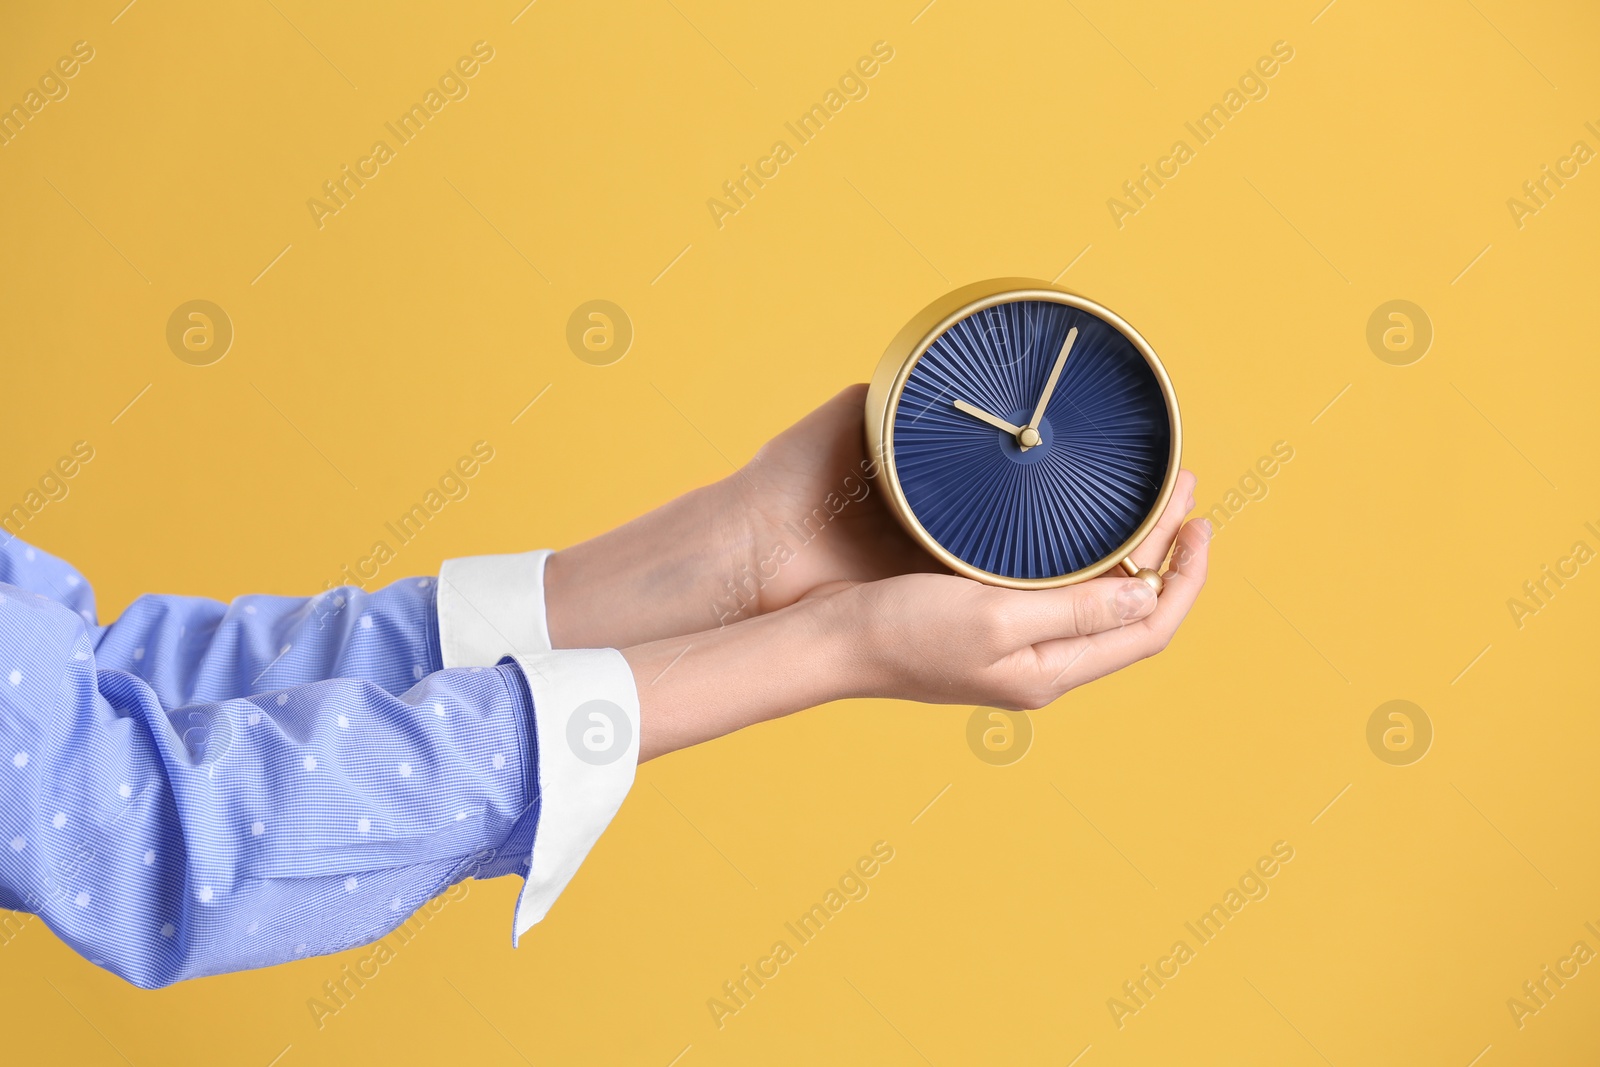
(909,345)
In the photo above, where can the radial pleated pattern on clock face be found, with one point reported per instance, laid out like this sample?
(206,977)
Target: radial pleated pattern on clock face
(1059,506)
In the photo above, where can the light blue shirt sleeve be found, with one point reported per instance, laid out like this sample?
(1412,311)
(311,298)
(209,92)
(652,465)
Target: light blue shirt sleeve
(192,649)
(203,787)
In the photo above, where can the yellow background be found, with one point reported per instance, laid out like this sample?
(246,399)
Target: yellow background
(429,312)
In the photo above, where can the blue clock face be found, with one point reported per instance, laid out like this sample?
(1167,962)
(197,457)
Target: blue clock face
(1019,497)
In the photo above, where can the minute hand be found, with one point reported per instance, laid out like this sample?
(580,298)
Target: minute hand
(1050,385)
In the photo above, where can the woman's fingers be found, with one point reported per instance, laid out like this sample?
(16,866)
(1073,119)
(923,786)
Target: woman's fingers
(1105,603)
(1183,582)
(1102,604)
(1029,616)
(1186,576)
(1074,661)
(1153,551)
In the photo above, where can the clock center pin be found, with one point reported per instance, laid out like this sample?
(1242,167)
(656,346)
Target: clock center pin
(1029,445)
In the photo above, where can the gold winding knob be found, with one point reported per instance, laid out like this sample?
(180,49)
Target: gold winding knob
(1144,574)
(1150,578)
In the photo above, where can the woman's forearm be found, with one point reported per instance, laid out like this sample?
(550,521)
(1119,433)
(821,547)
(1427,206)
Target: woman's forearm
(662,574)
(935,638)
(695,688)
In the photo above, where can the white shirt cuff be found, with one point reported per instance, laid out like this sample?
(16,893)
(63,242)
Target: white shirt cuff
(586,715)
(492,606)
(585,711)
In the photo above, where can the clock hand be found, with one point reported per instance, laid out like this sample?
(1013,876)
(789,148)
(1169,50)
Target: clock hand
(997,423)
(1030,433)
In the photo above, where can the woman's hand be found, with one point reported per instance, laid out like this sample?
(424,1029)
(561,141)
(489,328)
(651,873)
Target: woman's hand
(804,521)
(929,637)
(803,512)
(946,640)
(811,498)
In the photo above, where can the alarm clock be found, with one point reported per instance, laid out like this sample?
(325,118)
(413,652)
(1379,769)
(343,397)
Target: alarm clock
(1026,436)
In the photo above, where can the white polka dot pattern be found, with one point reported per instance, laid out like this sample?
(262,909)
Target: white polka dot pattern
(281,766)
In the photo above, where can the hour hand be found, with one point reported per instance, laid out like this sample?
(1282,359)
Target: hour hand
(992,420)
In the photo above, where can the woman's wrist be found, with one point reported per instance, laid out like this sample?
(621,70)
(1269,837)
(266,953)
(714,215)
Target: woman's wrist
(695,688)
(664,573)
